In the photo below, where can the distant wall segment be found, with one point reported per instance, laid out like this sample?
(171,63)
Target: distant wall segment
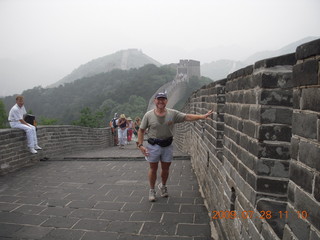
(260,153)
(55,140)
(177,88)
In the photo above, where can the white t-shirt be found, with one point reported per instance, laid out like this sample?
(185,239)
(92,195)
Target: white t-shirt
(16,113)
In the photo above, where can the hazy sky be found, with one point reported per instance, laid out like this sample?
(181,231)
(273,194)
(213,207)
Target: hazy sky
(47,39)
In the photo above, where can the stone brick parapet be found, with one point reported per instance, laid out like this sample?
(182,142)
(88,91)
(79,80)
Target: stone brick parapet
(304,179)
(260,151)
(55,140)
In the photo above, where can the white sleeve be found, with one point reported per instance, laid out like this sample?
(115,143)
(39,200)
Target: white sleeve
(15,114)
(23,110)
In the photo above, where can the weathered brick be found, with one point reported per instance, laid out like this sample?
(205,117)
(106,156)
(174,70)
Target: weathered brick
(310,99)
(317,188)
(275,150)
(254,147)
(288,59)
(296,98)
(276,115)
(309,153)
(254,113)
(304,124)
(294,148)
(272,168)
(274,80)
(304,203)
(249,128)
(268,234)
(298,226)
(308,49)
(247,159)
(276,97)
(305,73)
(291,192)
(275,221)
(301,176)
(318,130)
(274,186)
(288,234)
(274,132)
(241,72)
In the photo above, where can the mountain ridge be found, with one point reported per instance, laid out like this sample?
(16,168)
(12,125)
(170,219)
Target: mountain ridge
(122,59)
(219,69)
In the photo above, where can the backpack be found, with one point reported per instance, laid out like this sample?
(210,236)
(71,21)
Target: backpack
(114,123)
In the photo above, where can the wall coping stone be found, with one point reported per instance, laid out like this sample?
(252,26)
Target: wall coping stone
(308,49)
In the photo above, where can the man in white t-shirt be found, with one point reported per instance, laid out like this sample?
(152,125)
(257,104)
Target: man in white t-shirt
(160,123)
(16,120)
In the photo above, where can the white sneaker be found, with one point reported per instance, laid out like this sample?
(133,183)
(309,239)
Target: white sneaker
(164,190)
(152,195)
(33,151)
(36,147)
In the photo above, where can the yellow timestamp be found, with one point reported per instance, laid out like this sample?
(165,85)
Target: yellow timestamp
(224,214)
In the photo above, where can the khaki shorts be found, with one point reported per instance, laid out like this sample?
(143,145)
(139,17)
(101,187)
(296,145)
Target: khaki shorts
(157,153)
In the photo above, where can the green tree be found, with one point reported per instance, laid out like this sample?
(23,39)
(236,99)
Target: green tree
(136,106)
(3,116)
(90,119)
(47,121)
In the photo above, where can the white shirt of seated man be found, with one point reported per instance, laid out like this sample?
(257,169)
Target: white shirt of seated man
(16,121)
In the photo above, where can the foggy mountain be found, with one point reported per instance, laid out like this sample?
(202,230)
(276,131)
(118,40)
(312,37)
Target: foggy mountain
(220,69)
(123,60)
(290,48)
(21,74)
(217,70)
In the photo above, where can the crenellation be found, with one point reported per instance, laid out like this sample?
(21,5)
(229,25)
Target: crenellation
(270,151)
(308,50)
(306,73)
(284,60)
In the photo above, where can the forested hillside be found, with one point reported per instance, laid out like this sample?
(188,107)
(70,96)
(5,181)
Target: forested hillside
(116,91)
(123,60)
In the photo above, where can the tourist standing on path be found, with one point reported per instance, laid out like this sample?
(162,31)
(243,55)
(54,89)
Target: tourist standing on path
(160,123)
(130,129)
(114,128)
(16,120)
(136,126)
(122,130)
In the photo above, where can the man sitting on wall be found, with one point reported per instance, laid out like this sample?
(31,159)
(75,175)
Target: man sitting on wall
(16,120)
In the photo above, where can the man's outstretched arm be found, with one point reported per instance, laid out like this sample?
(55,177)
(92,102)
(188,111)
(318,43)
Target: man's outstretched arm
(194,117)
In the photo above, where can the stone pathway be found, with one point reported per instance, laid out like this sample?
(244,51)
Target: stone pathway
(92,200)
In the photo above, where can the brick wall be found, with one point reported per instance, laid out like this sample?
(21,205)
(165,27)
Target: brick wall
(260,151)
(54,140)
(304,180)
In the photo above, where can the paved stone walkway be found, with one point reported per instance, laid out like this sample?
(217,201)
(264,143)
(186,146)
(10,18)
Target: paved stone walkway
(93,200)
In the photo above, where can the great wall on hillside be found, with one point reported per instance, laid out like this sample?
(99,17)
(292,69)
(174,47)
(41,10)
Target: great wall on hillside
(257,159)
